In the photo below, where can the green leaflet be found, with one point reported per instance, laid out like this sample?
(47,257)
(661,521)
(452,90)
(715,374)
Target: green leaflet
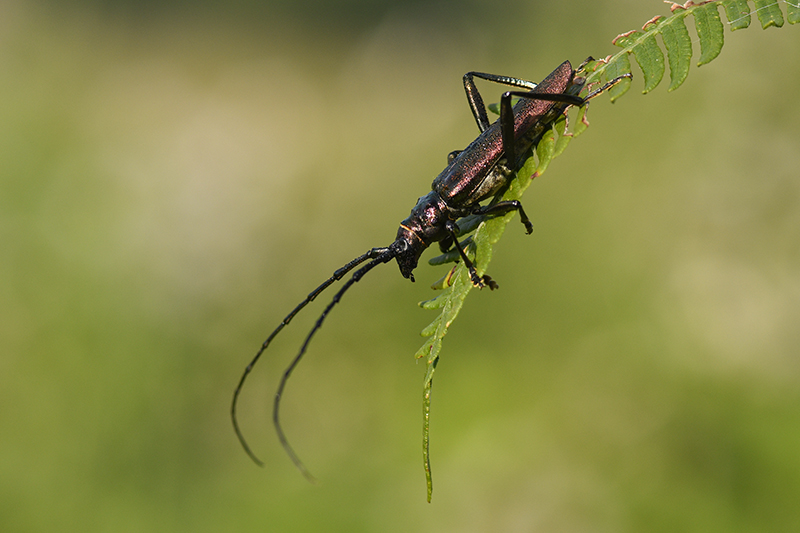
(738,13)
(679,47)
(562,137)
(793,11)
(709,29)
(617,66)
(648,55)
(769,14)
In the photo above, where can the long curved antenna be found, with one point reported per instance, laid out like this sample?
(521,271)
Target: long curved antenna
(339,274)
(385,256)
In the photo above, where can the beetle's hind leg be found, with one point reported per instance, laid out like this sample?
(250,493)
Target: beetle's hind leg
(475,99)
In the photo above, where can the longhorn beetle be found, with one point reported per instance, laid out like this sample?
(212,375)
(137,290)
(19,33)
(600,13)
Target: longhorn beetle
(478,172)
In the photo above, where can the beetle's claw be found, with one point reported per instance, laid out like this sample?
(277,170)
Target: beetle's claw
(492,284)
(483,281)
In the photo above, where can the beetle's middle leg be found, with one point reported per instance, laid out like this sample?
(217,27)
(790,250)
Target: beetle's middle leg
(501,208)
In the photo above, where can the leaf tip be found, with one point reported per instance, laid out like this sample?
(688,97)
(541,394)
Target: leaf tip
(622,36)
(444,282)
(653,21)
(674,7)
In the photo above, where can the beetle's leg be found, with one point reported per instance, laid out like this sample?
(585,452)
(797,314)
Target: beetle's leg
(478,281)
(607,86)
(474,97)
(501,208)
(452,155)
(445,244)
(507,115)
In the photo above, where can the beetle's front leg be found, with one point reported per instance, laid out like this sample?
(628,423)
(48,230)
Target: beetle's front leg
(445,244)
(501,208)
(478,281)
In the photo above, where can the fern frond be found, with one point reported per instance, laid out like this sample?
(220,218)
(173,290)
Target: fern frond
(457,283)
(648,53)
(677,41)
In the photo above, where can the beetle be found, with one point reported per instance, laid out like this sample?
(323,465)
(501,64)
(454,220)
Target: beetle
(473,174)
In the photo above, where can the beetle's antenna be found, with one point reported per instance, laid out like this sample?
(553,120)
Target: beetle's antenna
(385,255)
(375,254)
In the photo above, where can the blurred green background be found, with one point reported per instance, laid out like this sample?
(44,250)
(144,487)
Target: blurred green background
(176,176)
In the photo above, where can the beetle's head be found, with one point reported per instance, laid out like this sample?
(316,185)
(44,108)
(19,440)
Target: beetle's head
(407,249)
(425,225)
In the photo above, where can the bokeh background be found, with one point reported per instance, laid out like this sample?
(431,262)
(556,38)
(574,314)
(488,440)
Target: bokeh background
(176,176)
